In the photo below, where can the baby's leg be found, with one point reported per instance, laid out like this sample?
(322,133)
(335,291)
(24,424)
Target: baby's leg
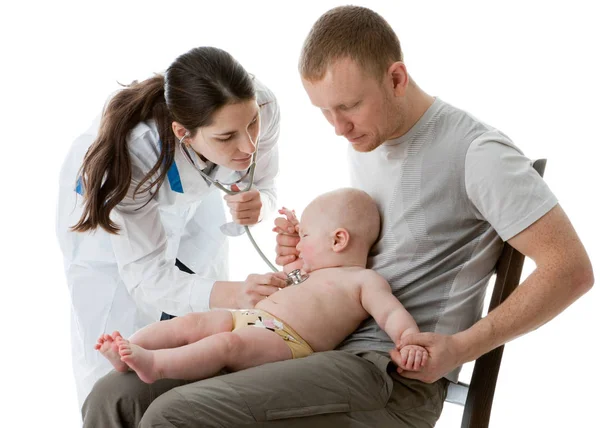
(246,347)
(109,347)
(183,330)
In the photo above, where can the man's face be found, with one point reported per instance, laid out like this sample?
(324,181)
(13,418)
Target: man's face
(359,106)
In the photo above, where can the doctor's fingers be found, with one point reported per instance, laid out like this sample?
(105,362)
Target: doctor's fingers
(245,216)
(255,204)
(276,279)
(243,196)
(266,290)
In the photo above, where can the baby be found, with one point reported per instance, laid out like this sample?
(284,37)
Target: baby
(336,231)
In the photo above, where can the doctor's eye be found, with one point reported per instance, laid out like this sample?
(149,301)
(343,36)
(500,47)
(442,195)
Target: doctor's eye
(223,140)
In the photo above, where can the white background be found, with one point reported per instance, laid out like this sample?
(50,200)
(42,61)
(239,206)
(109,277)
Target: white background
(527,68)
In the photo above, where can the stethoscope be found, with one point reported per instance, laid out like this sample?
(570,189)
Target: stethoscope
(294,277)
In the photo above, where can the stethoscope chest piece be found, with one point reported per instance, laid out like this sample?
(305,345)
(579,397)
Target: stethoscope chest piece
(295,277)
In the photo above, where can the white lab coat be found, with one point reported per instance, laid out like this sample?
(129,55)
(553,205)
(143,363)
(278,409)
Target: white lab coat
(123,282)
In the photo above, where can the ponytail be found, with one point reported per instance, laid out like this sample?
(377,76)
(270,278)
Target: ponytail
(194,87)
(106,168)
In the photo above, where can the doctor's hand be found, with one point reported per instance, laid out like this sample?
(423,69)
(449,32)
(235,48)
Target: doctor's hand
(443,355)
(244,206)
(258,287)
(287,239)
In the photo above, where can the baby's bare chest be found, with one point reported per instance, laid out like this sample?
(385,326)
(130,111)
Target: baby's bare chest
(325,292)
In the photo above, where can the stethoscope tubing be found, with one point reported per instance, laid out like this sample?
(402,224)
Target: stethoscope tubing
(233,192)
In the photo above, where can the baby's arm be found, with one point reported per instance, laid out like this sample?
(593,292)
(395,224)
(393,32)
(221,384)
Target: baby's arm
(392,317)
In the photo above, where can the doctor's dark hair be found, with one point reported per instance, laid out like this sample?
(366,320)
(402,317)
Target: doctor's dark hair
(194,87)
(351,32)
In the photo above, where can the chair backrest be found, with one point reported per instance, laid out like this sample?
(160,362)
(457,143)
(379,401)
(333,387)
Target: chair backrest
(477,397)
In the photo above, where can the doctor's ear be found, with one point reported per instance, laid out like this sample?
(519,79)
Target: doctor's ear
(179,130)
(341,239)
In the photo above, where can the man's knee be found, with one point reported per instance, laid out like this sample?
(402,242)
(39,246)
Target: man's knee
(122,397)
(208,403)
(113,397)
(111,388)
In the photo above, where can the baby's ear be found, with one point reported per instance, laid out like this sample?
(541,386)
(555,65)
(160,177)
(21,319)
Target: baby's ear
(341,239)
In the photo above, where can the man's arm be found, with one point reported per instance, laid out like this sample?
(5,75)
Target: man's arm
(563,273)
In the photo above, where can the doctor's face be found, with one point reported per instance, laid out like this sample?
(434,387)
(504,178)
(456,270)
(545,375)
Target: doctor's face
(230,140)
(359,106)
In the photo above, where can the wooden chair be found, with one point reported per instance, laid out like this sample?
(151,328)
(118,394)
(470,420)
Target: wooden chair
(477,396)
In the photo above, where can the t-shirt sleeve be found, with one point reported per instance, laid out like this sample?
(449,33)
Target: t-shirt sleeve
(503,187)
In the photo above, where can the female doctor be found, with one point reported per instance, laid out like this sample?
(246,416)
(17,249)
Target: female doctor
(141,229)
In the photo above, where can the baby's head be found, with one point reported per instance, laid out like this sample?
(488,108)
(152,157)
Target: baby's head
(337,229)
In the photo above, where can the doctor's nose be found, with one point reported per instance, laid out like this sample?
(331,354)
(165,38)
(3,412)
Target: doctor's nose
(248,144)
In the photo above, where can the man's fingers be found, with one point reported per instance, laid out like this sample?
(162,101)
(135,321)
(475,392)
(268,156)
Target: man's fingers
(285,251)
(284,260)
(287,241)
(420,339)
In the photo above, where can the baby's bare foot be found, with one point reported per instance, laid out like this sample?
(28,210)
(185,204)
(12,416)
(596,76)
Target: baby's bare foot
(109,347)
(139,360)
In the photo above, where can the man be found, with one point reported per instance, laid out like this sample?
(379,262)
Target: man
(450,189)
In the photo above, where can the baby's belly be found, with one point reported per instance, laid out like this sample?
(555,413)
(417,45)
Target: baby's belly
(319,325)
(283,311)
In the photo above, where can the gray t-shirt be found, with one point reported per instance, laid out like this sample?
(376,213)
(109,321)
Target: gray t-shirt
(450,191)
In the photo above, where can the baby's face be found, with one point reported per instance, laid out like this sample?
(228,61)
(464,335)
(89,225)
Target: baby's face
(314,245)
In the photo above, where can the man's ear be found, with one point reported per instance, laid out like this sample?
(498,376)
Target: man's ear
(399,77)
(341,239)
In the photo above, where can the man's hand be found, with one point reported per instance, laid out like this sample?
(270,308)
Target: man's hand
(244,206)
(287,239)
(443,356)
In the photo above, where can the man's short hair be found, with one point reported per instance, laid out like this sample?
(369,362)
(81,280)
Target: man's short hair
(351,32)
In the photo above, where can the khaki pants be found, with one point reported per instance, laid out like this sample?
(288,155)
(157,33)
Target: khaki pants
(325,389)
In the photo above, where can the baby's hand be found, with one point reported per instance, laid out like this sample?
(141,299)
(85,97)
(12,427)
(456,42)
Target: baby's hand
(413,358)
(287,225)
